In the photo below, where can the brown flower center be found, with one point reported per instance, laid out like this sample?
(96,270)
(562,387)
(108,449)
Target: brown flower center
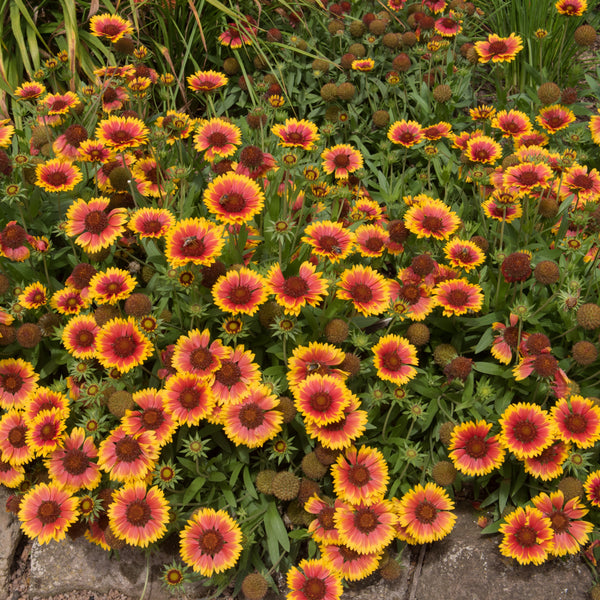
(391,361)
(228,374)
(48,431)
(329,243)
(252,416)
(359,475)
(138,513)
(189,398)
(111,29)
(152,418)
(124,346)
(341,161)
(85,338)
(57,178)
(314,589)
(457,298)
(497,47)
(526,537)
(361,292)
(201,358)
(365,520)
(13,236)
(127,449)
(295,287)
(151,226)
(58,104)
(48,512)
(75,134)
(374,244)
(218,139)
(560,522)
(232,203)
(511,336)
(211,542)
(193,246)
(96,221)
(576,423)
(583,182)
(476,447)
(320,401)
(545,365)
(16,436)
(432,224)
(528,178)
(240,295)
(11,382)
(525,431)
(326,517)
(294,137)
(426,512)
(75,461)
(410,293)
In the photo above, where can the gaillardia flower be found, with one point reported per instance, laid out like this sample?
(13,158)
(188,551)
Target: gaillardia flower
(46,512)
(72,465)
(195,240)
(211,542)
(57,175)
(120,344)
(395,359)
(18,380)
(527,535)
(314,579)
(405,133)
(360,475)
(526,429)
(368,290)
(577,420)
(79,336)
(499,49)
(366,528)
(341,160)
(329,239)
(570,532)
(127,457)
(234,198)
(458,296)
(111,285)
(95,227)
(240,291)
(110,26)
(195,353)
(321,398)
(294,292)
(138,515)
(296,133)
(120,133)
(252,420)
(217,137)
(431,218)
(472,451)
(571,8)
(464,254)
(151,222)
(206,81)
(425,513)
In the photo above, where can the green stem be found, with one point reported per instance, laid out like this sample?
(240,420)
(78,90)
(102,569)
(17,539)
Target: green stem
(147,577)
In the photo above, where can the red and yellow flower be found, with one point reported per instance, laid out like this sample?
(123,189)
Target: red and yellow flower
(112,27)
(240,291)
(368,290)
(296,133)
(234,198)
(217,138)
(527,536)
(431,218)
(499,49)
(405,133)
(341,160)
(526,429)
(46,512)
(395,359)
(211,542)
(577,420)
(195,240)
(472,451)
(314,579)
(121,345)
(137,515)
(458,296)
(95,227)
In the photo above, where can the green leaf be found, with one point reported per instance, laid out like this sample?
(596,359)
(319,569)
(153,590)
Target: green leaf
(276,533)
(484,342)
(493,369)
(503,494)
(249,484)
(193,489)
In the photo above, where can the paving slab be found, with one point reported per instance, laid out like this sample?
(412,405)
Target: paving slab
(469,566)
(74,565)
(10,536)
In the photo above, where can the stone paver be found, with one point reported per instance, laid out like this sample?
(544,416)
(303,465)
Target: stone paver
(468,566)
(10,535)
(60,567)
